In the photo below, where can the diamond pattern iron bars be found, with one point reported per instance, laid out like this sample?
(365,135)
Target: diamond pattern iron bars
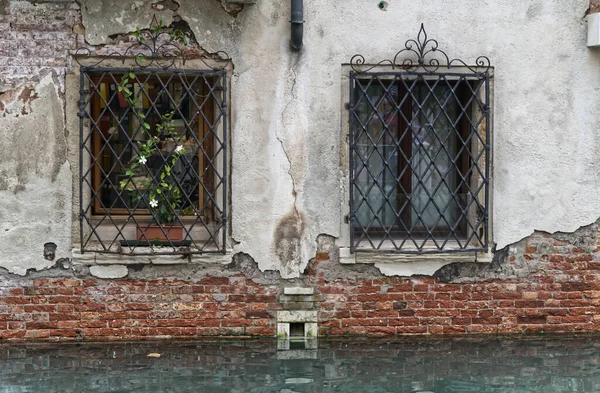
(153,161)
(419,152)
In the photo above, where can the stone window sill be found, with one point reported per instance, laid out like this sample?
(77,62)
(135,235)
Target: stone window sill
(98,258)
(406,265)
(375,258)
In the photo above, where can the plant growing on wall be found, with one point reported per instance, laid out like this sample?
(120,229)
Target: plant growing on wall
(150,173)
(149,177)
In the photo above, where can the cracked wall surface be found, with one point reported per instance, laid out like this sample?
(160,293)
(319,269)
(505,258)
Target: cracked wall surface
(286,113)
(35,177)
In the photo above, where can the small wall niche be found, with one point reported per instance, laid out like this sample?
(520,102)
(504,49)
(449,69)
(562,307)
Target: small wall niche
(299,324)
(297,330)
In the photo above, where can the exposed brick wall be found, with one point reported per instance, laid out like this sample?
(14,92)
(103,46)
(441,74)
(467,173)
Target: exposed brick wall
(35,37)
(561,294)
(106,309)
(594,6)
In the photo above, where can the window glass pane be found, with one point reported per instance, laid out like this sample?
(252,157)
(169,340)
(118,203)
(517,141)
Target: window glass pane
(119,133)
(434,114)
(376,170)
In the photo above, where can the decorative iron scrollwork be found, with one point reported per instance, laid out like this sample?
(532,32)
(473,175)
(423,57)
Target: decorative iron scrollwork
(428,58)
(155,46)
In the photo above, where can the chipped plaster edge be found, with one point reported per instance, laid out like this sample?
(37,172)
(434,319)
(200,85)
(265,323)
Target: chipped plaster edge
(109,271)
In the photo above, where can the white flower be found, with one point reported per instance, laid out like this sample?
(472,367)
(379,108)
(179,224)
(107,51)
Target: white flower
(153,203)
(179,149)
(142,160)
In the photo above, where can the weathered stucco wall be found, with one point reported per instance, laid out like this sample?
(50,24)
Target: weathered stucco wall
(287,108)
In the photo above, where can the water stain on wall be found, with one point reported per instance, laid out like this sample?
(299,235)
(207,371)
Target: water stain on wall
(288,240)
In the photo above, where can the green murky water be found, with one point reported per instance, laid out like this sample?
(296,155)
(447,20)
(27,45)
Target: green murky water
(440,366)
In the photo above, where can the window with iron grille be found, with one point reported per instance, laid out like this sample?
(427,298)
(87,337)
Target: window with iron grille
(167,198)
(153,148)
(419,152)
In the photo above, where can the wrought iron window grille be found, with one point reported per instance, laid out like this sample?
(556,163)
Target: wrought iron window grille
(419,152)
(189,159)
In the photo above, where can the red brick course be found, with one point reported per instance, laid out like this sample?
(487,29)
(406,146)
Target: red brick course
(133,309)
(561,294)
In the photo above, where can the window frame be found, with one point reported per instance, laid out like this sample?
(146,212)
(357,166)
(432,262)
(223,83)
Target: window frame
(201,66)
(348,253)
(359,83)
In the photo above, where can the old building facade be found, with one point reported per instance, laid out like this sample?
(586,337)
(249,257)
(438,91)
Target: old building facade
(400,168)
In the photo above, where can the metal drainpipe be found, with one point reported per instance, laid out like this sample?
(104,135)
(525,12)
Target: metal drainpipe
(297,22)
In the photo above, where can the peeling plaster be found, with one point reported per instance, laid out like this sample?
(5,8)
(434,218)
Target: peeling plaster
(17,102)
(35,180)
(109,271)
(286,118)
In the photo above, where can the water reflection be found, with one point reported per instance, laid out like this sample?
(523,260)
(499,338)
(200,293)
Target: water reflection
(439,366)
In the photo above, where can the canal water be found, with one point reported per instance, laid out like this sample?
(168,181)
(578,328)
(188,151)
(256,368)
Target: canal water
(549,365)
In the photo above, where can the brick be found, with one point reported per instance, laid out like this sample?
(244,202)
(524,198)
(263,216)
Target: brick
(357,330)
(214,281)
(576,319)
(260,331)
(528,303)
(532,320)
(411,330)
(258,314)
(364,322)
(332,289)
(502,295)
(64,299)
(32,291)
(40,308)
(435,321)
(452,330)
(14,300)
(64,316)
(382,314)
(482,329)
(236,314)
(41,325)
(403,321)
(235,323)
(399,305)
(531,250)
(579,286)
(81,324)
(379,331)
(12,325)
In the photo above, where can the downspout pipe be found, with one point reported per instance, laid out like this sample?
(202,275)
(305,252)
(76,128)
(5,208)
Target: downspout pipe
(297,21)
